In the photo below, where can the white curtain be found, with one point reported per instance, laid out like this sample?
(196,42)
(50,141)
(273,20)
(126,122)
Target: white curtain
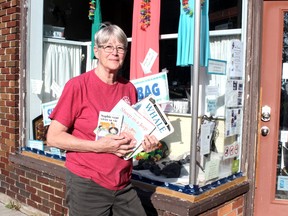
(61,62)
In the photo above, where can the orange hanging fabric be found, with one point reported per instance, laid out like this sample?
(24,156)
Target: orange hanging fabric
(145,35)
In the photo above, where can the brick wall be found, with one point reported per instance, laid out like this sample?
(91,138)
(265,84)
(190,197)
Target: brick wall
(9,78)
(177,206)
(9,87)
(28,186)
(232,208)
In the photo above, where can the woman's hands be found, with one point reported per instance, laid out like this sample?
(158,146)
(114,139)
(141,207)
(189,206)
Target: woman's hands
(124,143)
(150,143)
(118,145)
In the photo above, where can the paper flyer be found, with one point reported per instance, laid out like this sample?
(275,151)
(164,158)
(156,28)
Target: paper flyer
(233,121)
(234,93)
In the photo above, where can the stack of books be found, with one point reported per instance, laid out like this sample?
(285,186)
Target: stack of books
(144,118)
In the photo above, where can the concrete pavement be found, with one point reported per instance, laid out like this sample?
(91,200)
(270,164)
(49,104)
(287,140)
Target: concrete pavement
(4,211)
(24,210)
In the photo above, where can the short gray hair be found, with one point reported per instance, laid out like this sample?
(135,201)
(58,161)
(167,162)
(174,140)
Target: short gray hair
(107,31)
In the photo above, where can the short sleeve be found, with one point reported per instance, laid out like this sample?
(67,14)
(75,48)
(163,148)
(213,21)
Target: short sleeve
(66,109)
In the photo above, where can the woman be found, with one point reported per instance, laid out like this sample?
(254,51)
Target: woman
(98,178)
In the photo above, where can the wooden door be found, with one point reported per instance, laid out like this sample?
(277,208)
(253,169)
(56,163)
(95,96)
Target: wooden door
(271,192)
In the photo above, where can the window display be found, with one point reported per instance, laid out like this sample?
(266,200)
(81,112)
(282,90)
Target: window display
(221,83)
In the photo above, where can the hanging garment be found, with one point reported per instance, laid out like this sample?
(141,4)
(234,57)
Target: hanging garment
(97,19)
(144,37)
(185,42)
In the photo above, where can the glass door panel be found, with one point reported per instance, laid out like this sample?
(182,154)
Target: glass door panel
(282,159)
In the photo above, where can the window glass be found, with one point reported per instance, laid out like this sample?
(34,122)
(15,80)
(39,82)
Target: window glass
(71,17)
(169,17)
(225,14)
(282,154)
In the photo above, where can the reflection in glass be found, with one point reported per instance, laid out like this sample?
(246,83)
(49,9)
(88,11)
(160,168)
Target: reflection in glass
(282,160)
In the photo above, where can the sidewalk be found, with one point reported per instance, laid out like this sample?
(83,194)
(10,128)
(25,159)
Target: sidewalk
(24,210)
(4,211)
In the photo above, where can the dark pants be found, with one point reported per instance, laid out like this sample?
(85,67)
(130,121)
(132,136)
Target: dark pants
(86,198)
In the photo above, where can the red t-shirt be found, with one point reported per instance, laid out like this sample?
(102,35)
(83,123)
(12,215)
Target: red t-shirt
(78,108)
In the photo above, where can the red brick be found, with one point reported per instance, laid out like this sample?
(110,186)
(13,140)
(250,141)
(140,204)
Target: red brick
(48,189)
(225,209)
(4,45)
(55,213)
(59,193)
(14,189)
(11,194)
(5,160)
(44,209)
(2,13)
(12,37)
(56,199)
(240,210)
(43,180)
(21,198)
(15,3)
(30,189)
(36,198)
(10,181)
(60,208)
(32,203)
(233,213)
(5,5)
(237,203)
(12,10)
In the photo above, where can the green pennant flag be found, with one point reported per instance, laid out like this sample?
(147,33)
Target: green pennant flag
(95,24)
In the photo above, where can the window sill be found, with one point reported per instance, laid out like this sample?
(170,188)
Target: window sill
(39,163)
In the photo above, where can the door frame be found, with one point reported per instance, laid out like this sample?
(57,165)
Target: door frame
(251,98)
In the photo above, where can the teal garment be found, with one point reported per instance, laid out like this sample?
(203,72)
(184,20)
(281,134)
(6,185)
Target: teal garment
(185,41)
(95,25)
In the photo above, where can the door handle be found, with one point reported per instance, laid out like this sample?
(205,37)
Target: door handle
(265,130)
(265,113)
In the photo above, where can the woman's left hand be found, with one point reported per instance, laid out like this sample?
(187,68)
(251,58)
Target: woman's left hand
(150,143)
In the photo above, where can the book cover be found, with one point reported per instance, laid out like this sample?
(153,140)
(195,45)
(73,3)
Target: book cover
(133,123)
(108,124)
(153,112)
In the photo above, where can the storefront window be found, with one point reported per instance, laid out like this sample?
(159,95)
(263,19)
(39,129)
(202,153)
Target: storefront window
(221,85)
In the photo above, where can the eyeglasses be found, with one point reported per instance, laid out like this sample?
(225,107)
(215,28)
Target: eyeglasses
(110,49)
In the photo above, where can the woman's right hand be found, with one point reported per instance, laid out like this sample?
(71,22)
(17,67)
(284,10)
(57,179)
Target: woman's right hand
(119,145)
